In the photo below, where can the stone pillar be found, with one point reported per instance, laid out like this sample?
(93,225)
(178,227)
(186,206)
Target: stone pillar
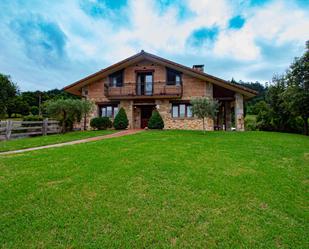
(128,107)
(228,117)
(209,94)
(239,112)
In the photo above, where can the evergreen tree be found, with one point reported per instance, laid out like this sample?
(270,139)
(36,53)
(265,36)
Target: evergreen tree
(155,121)
(121,121)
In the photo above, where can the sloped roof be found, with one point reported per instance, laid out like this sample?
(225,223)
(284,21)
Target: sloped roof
(74,88)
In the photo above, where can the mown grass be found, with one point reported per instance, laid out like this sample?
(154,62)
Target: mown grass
(23,143)
(170,189)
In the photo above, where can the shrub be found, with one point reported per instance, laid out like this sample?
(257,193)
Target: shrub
(155,121)
(32,118)
(250,123)
(121,121)
(101,123)
(34,110)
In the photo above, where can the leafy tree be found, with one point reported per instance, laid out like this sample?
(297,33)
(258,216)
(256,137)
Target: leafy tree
(204,108)
(68,111)
(155,121)
(296,95)
(8,91)
(121,121)
(34,110)
(17,106)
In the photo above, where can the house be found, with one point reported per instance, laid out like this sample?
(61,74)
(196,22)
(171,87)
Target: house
(144,82)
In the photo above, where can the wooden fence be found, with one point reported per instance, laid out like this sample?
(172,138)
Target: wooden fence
(14,129)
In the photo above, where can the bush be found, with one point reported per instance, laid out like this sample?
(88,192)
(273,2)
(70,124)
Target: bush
(101,123)
(121,121)
(250,123)
(33,118)
(155,121)
(34,110)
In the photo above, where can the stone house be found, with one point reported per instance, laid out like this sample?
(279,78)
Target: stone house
(144,82)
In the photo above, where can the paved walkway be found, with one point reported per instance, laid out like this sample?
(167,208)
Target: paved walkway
(86,140)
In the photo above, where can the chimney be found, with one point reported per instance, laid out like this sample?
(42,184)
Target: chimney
(199,68)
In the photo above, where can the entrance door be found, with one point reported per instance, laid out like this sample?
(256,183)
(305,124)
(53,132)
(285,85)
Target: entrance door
(146,112)
(144,84)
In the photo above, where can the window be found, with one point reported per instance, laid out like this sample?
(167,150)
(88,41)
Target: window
(182,111)
(85,91)
(116,79)
(109,111)
(173,77)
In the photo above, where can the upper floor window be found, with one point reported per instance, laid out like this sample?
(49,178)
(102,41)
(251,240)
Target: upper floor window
(116,79)
(109,111)
(173,77)
(85,91)
(182,111)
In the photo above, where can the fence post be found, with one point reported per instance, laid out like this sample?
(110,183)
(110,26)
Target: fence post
(45,126)
(8,131)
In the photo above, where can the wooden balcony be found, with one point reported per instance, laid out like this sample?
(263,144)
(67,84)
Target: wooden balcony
(133,90)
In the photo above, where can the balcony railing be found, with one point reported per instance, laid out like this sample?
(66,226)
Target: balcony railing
(142,90)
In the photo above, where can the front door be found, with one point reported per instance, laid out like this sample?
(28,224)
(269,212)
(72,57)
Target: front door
(146,112)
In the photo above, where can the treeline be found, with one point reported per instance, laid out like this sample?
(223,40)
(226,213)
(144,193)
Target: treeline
(282,105)
(14,103)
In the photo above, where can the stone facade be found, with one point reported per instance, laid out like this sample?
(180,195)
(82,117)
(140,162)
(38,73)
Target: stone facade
(192,87)
(164,107)
(239,112)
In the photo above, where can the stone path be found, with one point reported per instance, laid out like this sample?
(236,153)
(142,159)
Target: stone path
(86,140)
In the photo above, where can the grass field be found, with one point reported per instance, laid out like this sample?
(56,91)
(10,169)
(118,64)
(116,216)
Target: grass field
(23,143)
(170,189)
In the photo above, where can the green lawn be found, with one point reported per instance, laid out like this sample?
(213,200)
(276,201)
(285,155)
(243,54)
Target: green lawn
(170,189)
(23,143)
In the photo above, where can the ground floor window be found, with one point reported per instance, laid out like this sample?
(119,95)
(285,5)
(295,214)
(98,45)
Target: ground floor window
(109,111)
(181,110)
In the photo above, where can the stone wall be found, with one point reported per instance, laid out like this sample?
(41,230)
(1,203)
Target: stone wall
(164,108)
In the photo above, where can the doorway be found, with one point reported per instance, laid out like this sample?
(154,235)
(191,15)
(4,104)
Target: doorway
(146,112)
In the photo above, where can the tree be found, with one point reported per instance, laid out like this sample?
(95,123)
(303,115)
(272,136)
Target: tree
(155,121)
(68,111)
(17,106)
(8,91)
(204,108)
(34,110)
(121,121)
(296,95)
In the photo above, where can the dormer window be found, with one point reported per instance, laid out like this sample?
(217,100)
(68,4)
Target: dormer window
(173,77)
(116,79)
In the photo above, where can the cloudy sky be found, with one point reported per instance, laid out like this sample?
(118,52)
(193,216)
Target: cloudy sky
(49,44)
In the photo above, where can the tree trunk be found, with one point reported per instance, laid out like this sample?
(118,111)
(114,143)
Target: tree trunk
(85,121)
(63,121)
(306,126)
(204,125)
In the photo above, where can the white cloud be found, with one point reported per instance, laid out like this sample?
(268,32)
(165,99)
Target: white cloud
(93,43)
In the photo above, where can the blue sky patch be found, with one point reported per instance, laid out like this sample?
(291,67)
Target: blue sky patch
(236,22)
(203,36)
(44,41)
